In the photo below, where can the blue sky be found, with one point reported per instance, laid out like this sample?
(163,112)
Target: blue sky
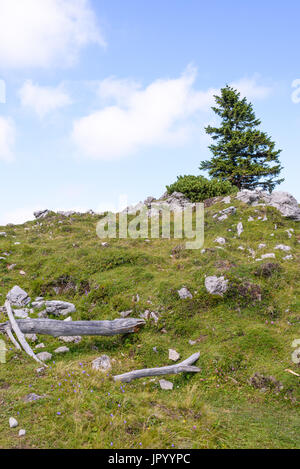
(108,99)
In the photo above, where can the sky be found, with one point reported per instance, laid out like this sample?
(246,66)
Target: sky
(104,102)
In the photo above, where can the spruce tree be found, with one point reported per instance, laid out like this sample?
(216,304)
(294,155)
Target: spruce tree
(242,154)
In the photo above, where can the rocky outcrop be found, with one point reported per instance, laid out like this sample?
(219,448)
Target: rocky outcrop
(283,201)
(18,297)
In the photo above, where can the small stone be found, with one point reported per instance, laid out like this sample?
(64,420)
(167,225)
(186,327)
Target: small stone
(31,337)
(40,346)
(220,240)
(288,257)
(226,200)
(44,356)
(21,313)
(261,246)
(68,319)
(68,339)
(32,397)
(22,432)
(173,355)
(124,314)
(250,219)
(13,422)
(184,293)
(102,363)
(62,349)
(223,217)
(283,247)
(240,228)
(269,255)
(166,385)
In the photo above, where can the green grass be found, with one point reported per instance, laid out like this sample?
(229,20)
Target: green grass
(237,336)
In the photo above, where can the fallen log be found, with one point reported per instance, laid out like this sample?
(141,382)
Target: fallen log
(19,333)
(58,328)
(183,367)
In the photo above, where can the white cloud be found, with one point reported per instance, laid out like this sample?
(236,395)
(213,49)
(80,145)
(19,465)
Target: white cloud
(7,138)
(251,89)
(35,33)
(157,114)
(42,99)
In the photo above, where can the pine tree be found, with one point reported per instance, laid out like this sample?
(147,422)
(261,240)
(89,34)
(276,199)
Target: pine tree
(242,154)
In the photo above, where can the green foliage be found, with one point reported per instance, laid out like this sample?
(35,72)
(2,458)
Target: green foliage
(242,154)
(198,188)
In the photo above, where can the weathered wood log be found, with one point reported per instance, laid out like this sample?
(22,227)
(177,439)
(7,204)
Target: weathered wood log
(19,333)
(58,328)
(183,367)
(11,337)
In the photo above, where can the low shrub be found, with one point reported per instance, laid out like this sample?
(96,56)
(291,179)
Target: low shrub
(198,188)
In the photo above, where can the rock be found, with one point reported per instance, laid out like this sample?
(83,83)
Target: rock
(41,345)
(241,248)
(240,228)
(32,397)
(62,349)
(41,370)
(105,244)
(287,258)
(250,219)
(21,313)
(22,432)
(283,201)
(149,201)
(67,214)
(166,385)
(2,233)
(44,356)
(68,339)
(216,285)
(283,247)
(269,255)
(226,200)
(31,337)
(59,308)
(184,293)
(43,314)
(38,304)
(261,246)
(102,363)
(290,232)
(41,213)
(18,297)
(223,217)
(220,240)
(173,355)
(154,316)
(13,423)
(125,314)
(68,319)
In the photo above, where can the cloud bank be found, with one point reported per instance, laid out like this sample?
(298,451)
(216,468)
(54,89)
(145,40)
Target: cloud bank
(47,33)
(134,117)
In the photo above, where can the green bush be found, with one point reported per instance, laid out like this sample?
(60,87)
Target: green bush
(198,188)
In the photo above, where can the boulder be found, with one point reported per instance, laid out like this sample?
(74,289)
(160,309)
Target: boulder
(18,297)
(59,308)
(283,201)
(44,356)
(184,293)
(166,385)
(216,285)
(101,363)
(41,213)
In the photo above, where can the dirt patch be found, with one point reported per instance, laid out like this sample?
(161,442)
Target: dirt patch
(267,270)
(265,383)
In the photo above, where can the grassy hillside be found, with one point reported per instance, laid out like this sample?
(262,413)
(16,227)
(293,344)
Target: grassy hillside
(237,335)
